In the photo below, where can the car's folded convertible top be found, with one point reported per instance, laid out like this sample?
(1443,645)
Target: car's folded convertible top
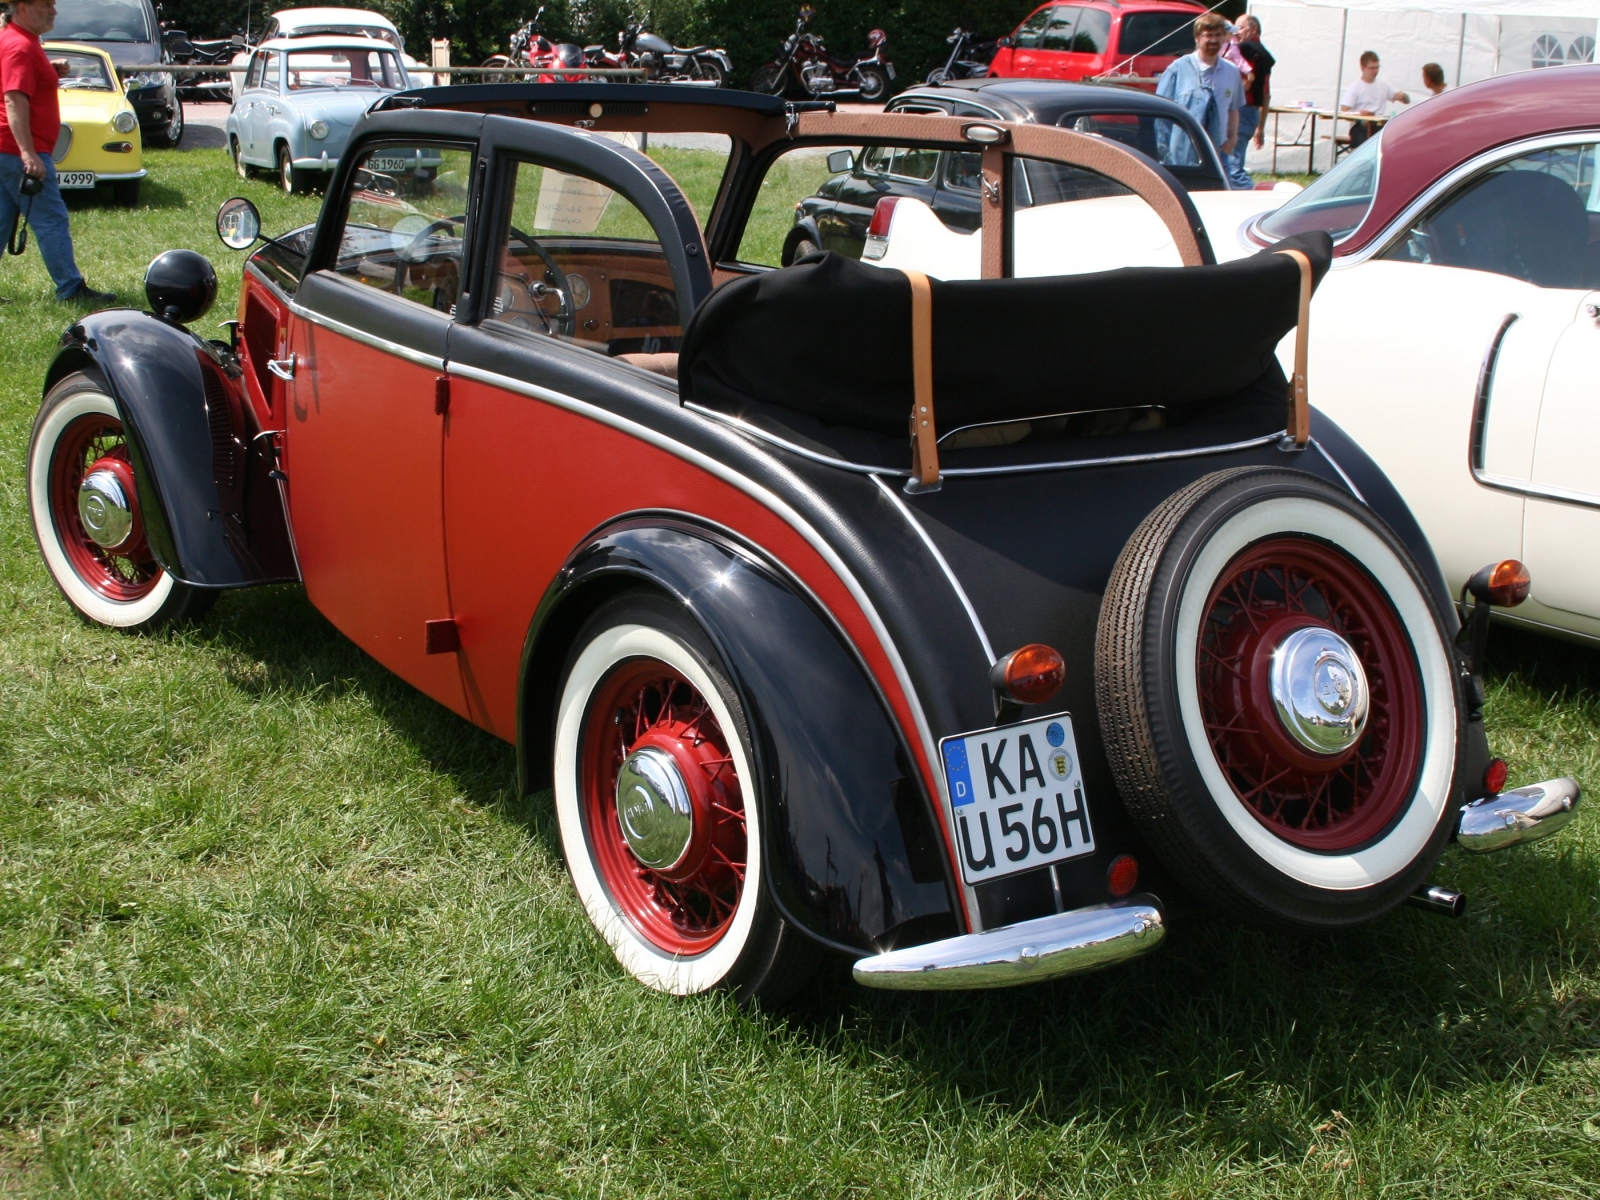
(831,338)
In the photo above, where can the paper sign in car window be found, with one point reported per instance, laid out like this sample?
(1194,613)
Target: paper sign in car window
(570,203)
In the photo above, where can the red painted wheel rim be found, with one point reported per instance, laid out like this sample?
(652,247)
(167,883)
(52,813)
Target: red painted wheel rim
(645,702)
(122,577)
(1329,803)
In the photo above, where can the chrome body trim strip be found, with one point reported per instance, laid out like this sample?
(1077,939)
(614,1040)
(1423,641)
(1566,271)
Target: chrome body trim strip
(1536,491)
(944,565)
(1069,943)
(1525,814)
(955,472)
(796,522)
(366,339)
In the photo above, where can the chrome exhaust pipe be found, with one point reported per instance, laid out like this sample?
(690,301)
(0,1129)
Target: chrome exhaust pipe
(1524,814)
(1447,902)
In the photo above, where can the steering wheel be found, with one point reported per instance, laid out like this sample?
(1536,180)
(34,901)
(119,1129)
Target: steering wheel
(564,321)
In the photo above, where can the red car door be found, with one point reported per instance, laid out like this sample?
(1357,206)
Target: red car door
(1074,43)
(1025,57)
(365,439)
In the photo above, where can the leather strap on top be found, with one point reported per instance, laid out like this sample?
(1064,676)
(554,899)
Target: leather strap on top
(924,433)
(1299,419)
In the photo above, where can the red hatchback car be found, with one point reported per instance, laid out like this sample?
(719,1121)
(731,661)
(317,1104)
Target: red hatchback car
(1081,41)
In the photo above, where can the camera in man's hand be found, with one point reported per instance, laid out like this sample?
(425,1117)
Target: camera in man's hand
(32,185)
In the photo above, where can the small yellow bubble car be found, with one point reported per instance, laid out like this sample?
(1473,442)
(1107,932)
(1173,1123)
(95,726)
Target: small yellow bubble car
(99,141)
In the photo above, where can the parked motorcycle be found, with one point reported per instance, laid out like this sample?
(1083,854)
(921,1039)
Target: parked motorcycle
(532,49)
(186,51)
(975,64)
(660,60)
(805,60)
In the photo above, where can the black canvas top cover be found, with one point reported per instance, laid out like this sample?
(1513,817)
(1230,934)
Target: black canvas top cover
(831,338)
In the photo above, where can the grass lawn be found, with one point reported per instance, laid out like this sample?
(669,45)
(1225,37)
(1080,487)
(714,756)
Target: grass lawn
(271,923)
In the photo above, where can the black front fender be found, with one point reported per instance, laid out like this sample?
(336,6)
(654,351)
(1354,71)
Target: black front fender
(852,855)
(213,517)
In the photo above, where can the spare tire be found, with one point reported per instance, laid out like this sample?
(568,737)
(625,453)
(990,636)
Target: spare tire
(1278,696)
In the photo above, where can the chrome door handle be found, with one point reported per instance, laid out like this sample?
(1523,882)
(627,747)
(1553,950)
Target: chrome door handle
(283,368)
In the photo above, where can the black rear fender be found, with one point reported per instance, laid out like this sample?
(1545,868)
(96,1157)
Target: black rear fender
(853,856)
(213,516)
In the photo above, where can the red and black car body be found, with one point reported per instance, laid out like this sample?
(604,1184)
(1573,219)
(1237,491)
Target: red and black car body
(735,625)
(1098,38)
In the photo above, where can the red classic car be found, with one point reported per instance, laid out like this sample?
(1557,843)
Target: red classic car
(1139,38)
(820,640)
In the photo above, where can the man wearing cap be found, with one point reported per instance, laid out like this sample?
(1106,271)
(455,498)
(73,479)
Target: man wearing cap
(30,123)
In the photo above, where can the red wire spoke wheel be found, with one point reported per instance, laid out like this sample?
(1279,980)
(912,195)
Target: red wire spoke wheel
(682,898)
(84,500)
(660,809)
(1304,793)
(1279,699)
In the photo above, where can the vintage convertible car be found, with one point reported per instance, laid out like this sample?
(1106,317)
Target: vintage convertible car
(301,97)
(820,640)
(1466,278)
(99,140)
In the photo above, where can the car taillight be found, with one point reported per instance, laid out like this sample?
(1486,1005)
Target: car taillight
(1494,777)
(1502,584)
(882,215)
(1030,675)
(1122,876)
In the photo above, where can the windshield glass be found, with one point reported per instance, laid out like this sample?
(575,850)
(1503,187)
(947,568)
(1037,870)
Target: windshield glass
(85,72)
(1336,203)
(102,21)
(343,68)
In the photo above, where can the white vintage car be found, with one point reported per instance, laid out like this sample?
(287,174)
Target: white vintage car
(1457,337)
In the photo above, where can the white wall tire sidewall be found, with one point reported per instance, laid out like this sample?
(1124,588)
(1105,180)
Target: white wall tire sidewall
(1410,836)
(117,614)
(643,960)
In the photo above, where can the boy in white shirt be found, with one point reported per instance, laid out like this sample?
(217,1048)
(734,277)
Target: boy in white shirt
(1369,96)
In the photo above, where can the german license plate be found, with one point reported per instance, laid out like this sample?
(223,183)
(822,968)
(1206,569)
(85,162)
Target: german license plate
(1017,796)
(389,164)
(75,179)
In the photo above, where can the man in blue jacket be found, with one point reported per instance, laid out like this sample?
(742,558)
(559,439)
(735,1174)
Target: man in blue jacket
(1210,87)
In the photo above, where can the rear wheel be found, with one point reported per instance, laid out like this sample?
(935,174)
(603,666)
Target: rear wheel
(799,248)
(85,506)
(1278,700)
(659,808)
(874,84)
(769,79)
(708,70)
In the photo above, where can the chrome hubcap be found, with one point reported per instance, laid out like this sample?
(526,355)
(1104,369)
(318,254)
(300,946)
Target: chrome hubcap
(1319,690)
(654,809)
(104,509)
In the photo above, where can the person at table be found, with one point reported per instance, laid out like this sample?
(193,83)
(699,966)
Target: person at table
(1210,87)
(1258,96)
(1369,96)
(1432,79)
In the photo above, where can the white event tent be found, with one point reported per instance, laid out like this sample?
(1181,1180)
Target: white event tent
(1318,46)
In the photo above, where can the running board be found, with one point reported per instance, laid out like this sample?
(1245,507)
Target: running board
(1069,943)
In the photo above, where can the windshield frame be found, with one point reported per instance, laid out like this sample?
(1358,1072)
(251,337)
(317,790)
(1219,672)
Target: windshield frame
(140,6)
(1357,159)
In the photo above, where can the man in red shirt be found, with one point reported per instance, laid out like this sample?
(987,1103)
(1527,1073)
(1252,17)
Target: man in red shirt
(28,131)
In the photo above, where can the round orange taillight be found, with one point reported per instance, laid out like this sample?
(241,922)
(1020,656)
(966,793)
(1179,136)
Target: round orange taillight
(1494,777)
(1122,876)
(1031,675)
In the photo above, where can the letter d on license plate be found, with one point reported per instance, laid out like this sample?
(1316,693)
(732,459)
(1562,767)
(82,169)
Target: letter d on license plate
(1017,797)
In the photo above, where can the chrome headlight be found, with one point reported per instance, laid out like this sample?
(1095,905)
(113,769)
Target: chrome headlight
(124,122)
(319,130)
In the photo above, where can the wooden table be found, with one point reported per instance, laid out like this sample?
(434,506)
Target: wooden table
(1311,116)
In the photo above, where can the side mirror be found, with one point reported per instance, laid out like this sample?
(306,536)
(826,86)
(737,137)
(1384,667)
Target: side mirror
(238,223)
(841,161)
(1004,43)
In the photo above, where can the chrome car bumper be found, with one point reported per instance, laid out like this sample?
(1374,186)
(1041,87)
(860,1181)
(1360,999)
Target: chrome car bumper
(322,162)
(107,176)
(1068,943)
(1524,814)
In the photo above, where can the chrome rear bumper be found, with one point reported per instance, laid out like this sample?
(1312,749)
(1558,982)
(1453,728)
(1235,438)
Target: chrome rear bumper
(1068,943)
(1524,814)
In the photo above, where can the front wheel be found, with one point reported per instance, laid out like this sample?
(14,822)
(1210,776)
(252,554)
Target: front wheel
(1278,698)
(769,79)
(85,507)
(241,167)
(874,83)
(173,133)
(659,808)
(937,76)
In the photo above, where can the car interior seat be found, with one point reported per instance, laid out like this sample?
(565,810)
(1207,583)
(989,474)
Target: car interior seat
(1526,224)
